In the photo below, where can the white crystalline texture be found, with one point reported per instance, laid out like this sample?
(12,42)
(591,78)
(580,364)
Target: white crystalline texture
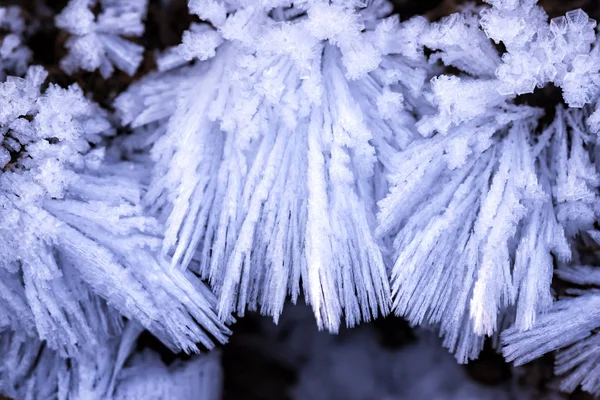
(148,378)
(569,322)
(562,52)
(199,42)
(100,42)
(359,56)
(463,229)
(213,11)
(14,55)
(265,153)
(459,100)
(475,55)
(273,152)
(76,252)
(112,370)
(317,149)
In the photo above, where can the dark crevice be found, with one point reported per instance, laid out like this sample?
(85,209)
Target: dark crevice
(250,373)
(148,341)
(489,368)
(394,332)
(547,98)
(165,24)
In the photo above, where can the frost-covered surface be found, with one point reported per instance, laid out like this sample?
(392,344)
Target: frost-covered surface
(14,54)
(101,42)
(72,229)
(76,253)
(315,147)
(474,250)
(496,214)
(267,153)
(570,326)
(111,369)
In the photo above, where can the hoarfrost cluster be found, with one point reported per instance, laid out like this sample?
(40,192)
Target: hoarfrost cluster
(97,41)
(14,54)
(325,150)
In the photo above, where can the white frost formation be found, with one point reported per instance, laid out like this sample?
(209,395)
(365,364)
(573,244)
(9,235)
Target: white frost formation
(269,151)
(298,147)
(98,42)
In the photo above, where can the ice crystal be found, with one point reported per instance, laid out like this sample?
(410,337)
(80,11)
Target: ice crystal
(480,207)
(317,148)
(268,153)
(14,55)
(111,369)
(99,42)
(76,251)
